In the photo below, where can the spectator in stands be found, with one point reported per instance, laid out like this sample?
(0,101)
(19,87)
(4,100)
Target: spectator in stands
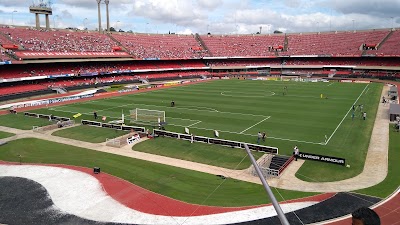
(365,216)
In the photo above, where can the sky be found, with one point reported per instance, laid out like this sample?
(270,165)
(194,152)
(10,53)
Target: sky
(214,16)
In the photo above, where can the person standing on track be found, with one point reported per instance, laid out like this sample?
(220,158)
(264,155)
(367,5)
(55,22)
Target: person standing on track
(296,152)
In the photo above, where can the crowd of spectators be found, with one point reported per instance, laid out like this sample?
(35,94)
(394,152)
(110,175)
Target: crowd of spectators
(243,45)
(58,40)
(161,46)
(173,46)
(4,55)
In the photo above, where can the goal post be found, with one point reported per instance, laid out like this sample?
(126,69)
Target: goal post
(147,116)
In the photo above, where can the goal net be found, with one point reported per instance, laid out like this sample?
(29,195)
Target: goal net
(147,116)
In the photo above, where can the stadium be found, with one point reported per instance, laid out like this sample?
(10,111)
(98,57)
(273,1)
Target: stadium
(110,127)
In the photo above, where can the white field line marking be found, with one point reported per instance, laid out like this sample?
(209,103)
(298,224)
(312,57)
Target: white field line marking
(251,135)
(330,84)
(84,113)
(200,110)
(254,125)
(345,116)
(115,107)
(317,97)
(181,108)
(181,119)
(367,91)
(246,96)
(201,107)
(194,123)
(230,132)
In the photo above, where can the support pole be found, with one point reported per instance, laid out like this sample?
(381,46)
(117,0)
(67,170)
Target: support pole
(47,22)
(99,14)
(281,214)
(37,21)
(108,16)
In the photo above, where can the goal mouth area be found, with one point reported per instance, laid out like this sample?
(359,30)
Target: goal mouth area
(145,123)
(147,117)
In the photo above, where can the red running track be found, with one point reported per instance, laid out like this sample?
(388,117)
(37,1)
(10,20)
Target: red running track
(146,201)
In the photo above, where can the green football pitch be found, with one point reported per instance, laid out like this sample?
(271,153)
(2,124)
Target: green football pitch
(239,109)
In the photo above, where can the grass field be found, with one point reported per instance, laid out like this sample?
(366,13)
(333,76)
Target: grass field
(186,185)
(22,122)
(215,155)
(392,180)
(239,109)
(89,134)
(5,135)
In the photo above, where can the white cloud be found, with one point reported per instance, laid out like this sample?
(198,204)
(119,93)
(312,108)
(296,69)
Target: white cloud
(186,31)
(218,16)
(384,8)
(14,3)
(172,11)
(292,3)
(66,14)
(92,4)
(209,4)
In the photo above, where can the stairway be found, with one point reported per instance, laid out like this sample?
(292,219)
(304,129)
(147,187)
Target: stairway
(13,41)
(285,43)
(384,39)
(203,45)
(278,161)
(59,90)
(119,43)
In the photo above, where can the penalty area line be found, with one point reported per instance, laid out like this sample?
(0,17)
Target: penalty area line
(250,135)
(194,123)
(254,125)
(345,116)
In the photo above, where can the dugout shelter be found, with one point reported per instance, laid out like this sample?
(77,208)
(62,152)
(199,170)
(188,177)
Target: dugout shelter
(394,112)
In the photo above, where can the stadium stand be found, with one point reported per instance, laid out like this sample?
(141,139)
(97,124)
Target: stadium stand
(20,88)
(59,40)
(243,45)
(333,43)
(172,56)
(391,45)
(169,46)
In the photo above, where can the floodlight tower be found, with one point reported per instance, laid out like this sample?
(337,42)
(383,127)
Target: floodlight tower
(99,14)
(41,8)
(108,16)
